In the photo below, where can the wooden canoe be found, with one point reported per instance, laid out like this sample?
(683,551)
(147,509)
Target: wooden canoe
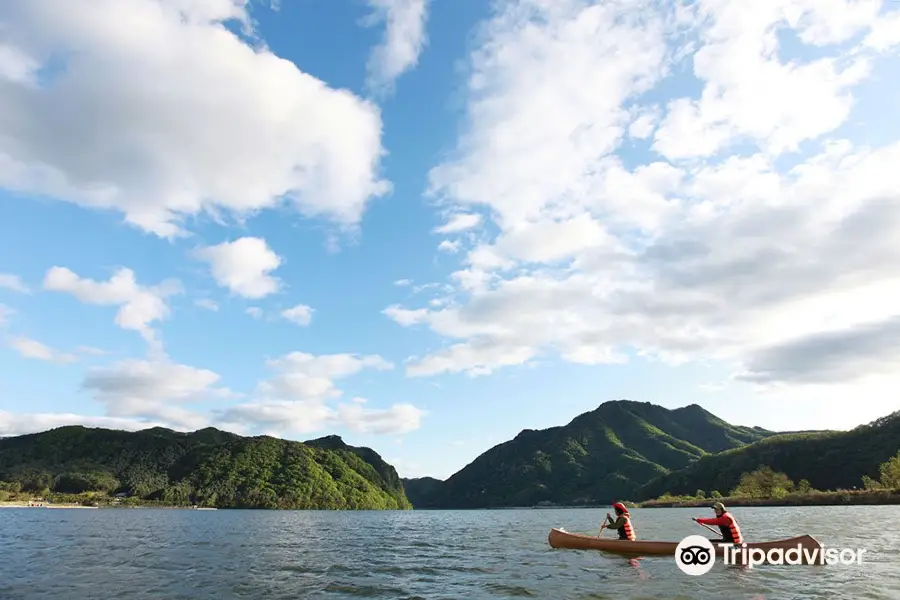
(560,538)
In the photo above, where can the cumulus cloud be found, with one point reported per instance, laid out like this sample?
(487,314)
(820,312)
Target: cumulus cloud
(300,314)
(243,266)
(400,418)
(459,222)
(255,312)
(21,424)
(139,306)
(28,348)
(404,38)
(749,91)
(448,246)
(296,398)
(750,239)
(13,282)
(178,118)
(155,391)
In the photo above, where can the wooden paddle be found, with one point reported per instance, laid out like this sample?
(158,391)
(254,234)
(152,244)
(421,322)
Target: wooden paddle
(602,527)
(707,526)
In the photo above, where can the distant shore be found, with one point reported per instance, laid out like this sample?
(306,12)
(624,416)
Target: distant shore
(825,498)
(41,505)
(21,504)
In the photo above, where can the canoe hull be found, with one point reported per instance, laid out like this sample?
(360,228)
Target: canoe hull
(560,538)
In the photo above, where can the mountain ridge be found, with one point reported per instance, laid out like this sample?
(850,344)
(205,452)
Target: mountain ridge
(207,466)
(598,456)
(642,451)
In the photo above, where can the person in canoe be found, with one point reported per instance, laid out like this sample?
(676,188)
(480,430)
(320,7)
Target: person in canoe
(727,524)
(622,522)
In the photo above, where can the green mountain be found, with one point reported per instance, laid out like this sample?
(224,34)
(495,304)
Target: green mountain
(828,460)
(208,467)
(600,456)
(420,489)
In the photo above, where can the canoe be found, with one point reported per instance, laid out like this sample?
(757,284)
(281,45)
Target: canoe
(560,538)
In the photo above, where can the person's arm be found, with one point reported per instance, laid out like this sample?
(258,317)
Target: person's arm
(620,522)
(713,521)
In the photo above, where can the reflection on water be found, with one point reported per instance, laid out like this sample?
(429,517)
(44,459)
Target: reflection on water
(143,553)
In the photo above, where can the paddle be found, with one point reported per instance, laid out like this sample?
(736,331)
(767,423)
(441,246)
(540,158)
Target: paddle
(604,526)
(707,526)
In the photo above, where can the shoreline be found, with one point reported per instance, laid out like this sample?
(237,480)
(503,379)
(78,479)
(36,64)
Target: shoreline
(26,505)
(829,498)
(104,507)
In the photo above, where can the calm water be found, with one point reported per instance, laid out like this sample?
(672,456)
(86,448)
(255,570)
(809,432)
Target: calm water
(143,553)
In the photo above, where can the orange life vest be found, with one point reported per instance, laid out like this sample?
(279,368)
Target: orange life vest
(626,531)
(731,532)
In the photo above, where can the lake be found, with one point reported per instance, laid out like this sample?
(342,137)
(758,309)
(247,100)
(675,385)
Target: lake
(156,553)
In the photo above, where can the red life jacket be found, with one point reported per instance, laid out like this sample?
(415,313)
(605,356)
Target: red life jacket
(731,532)
(626,531)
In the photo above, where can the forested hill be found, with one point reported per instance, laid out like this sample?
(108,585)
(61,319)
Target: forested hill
(600,456)
(206,467)
(828,460)
(419,490)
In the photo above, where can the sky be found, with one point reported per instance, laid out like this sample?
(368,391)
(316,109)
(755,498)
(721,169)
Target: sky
(427,225)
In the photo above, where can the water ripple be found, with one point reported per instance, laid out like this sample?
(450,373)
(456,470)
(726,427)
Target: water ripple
(427,555)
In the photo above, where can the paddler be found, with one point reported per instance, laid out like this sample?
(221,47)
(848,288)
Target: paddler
(622,522)
(727,524)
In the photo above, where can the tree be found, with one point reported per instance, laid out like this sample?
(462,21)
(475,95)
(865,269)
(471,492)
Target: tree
(890,472)
(700,494)
(764,483)
(890,475)
(715,494)
(804,487)
(870,484)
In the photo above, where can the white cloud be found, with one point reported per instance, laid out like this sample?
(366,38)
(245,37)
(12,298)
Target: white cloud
(404,39)
(449,247)
(296,397)
(13,282)
(459,222)
(28,348)
(145,393)
(139,305)
(21,424)
(155,391)
(400,418)
(750,91)
(643,125)
(405,316)
(202,122)
(300,314)
(243,266)
(255,312)
(5,313)
(783,266)
(403,282)
(546,104)
(207,304)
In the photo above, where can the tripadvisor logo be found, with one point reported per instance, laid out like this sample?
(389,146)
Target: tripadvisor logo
(695,555)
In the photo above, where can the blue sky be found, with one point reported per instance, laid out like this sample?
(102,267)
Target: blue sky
(425,226)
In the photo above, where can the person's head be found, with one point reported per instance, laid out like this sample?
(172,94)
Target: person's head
(719,508)
(620,508)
